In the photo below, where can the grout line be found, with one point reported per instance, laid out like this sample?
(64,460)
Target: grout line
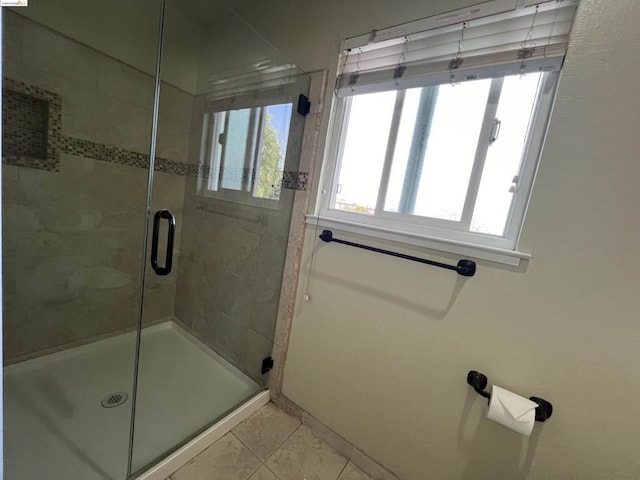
(294,431)
(257,468)
(343,469)
(272,472)
(247,446)
(284,441)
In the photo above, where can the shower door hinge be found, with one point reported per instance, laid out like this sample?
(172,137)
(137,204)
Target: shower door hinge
(304,105)
(267,364)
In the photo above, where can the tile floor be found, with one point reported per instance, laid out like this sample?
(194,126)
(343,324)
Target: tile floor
(270,445)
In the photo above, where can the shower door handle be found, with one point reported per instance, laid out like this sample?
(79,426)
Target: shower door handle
(166,269)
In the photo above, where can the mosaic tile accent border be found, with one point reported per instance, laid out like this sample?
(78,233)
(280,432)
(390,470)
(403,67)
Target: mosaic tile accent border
(57,142)
(120,156)
(24,101)
(294,180)
(22,138)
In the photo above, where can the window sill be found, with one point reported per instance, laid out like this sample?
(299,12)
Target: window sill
(492,254)
(234,198)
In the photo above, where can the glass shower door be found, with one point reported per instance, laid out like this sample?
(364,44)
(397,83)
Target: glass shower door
(78,93)
(226,174)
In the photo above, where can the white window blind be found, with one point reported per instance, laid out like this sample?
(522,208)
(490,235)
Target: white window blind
(265,76)
(496,38)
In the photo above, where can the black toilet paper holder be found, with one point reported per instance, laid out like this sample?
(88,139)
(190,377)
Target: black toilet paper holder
(479,381)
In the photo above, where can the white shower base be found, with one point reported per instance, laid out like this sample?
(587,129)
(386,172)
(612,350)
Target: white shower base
(56,428)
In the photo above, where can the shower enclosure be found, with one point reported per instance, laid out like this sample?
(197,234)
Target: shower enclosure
(149,167)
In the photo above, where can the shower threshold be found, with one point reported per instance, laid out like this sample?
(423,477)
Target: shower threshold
(57,425)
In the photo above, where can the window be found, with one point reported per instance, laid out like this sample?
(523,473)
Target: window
(250,142)
(437,133)
(245,151)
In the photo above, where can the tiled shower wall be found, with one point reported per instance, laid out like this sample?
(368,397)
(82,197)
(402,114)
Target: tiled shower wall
(231,264)
(229,278)
(73,220)
(73,223)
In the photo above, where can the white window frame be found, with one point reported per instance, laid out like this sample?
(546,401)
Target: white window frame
(440,234)
(211,186)
(286,94)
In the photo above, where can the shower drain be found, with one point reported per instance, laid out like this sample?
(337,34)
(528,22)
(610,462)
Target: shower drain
(114,399)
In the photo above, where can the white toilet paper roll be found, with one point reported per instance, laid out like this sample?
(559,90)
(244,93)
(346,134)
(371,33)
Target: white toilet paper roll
(512,410)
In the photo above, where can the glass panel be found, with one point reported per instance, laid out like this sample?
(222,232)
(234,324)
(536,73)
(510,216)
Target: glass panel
(435,149)
(503,159)
(210,322)
(404,143)
(239,137)
(247,148)
(77,109)
(364,148)
(273,143)
(450,150)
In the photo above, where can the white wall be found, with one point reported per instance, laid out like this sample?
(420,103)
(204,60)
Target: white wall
(309,33)
(381,351)
(230,47)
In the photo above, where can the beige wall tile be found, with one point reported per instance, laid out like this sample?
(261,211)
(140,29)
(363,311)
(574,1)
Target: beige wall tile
(188,276)
(73,240)
(78,104)
(122,124)
(120,80)
(275,223)
(258,347)
(204,327)
(230,339)
(9,184)
(11,43)
(177,105)
(57,54)
(159,303)
(29,330)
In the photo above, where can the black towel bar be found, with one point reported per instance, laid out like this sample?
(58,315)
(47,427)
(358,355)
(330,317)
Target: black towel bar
(466,268)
